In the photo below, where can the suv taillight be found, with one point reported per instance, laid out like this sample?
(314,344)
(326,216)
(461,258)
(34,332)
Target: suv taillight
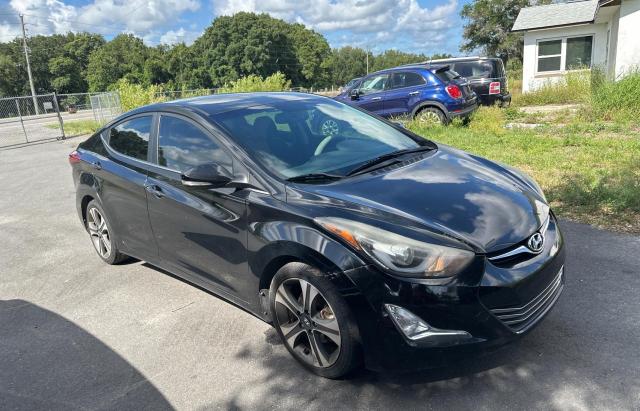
(74,157)
(494,87)
(454,91)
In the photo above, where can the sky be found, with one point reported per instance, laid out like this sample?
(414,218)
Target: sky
(418,26)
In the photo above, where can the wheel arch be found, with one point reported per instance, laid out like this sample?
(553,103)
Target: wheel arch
(427,104)
(280,253)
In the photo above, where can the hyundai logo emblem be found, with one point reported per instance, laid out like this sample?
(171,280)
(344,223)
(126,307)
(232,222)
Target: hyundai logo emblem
(536,242)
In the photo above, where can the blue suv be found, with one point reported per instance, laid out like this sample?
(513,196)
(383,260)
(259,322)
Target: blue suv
(428,93)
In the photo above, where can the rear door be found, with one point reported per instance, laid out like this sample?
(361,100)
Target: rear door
(200,231)
(371,93)
(122,174)
(404,93)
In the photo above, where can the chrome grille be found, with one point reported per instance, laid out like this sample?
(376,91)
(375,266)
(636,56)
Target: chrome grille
(520,319)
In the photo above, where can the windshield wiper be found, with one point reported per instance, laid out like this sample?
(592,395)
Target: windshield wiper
(304,178)
(369,165)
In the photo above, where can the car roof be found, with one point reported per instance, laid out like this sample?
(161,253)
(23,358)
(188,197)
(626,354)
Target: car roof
(413,66)
(470,58)
(215,104)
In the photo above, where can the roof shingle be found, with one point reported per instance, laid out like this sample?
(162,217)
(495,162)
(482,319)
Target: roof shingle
(559,14)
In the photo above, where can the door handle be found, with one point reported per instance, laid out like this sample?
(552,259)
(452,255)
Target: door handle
(96,165)
(414,93)
(376,98)
(154,189)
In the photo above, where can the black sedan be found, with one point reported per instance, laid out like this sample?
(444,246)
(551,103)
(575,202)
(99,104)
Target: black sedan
(360,242)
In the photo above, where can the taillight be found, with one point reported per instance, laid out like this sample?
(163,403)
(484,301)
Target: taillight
(454,91)
(494,87)
(74,157)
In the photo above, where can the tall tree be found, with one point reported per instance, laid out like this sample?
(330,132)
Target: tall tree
(122,57)
(393,58)
(488,28)
(347,63)
(69,71)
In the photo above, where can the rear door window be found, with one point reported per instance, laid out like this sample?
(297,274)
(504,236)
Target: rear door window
(131,137)
(406,79)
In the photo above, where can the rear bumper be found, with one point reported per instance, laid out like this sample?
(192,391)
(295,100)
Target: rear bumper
(481,302)
(463,112)
(491,99)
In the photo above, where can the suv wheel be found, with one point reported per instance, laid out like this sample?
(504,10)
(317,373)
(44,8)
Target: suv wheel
(313,321)
(430,116)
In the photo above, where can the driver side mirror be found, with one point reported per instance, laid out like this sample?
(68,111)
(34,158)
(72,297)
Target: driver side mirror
(355,94)
(207,175)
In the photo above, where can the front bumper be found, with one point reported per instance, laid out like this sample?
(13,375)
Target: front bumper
(471,303)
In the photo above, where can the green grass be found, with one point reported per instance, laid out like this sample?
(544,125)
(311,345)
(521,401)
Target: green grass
(77,127)
(590,172)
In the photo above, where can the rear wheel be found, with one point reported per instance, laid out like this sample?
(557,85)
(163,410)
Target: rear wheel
(313,321)
(101,234)
(430,116)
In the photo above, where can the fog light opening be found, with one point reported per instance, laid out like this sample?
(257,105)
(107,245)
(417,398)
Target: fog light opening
(415,328)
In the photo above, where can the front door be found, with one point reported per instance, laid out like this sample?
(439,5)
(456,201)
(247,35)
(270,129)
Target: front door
(200,231)
(371,93)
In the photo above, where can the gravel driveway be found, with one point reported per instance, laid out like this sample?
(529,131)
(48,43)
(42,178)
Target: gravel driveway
(78,334)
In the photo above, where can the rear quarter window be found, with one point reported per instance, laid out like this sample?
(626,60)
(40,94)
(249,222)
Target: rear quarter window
(131,137)
(446,76)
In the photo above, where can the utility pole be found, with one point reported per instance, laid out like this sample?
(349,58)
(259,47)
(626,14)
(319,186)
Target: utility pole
(26,56)
(367,60)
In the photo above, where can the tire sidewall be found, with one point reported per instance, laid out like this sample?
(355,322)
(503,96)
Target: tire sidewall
(349,357)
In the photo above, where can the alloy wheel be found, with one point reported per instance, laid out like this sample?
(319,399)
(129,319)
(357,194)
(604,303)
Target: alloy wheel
(427,117)
(308,322)
(329,128)
(99,232)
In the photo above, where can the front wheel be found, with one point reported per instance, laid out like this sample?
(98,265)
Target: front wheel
(313,321)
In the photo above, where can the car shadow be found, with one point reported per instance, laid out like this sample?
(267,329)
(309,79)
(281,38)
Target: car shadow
(48,362)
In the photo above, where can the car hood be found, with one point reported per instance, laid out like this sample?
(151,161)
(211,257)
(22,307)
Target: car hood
(448,191)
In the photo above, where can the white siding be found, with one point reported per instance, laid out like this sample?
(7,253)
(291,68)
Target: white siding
(532,80)
(628,48)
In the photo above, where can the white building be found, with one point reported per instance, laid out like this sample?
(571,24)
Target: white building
(564,36)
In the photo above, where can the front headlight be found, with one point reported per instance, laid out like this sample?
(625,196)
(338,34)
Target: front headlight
(404,256)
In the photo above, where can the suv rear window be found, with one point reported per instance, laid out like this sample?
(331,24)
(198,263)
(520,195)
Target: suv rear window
(478,69)
(446,75)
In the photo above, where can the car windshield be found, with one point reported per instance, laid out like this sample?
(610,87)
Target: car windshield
(300,136)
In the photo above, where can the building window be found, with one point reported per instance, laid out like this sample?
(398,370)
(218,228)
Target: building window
(568,53)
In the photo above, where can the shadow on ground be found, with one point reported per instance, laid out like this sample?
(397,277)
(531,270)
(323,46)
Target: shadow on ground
(47,362)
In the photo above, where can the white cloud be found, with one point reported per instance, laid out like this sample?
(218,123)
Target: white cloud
(179,36)
(367,22)
(145,18)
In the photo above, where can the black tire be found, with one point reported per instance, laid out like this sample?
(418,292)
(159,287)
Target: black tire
(428,115)
(348,356)
(114,256)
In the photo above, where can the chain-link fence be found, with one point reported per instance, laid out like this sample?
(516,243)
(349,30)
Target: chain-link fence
(27,119)
(105,106)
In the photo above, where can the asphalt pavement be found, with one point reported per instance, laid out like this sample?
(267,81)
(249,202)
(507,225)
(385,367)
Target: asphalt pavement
(78,334)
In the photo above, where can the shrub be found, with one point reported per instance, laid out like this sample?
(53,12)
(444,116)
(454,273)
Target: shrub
(136,95)
(252,82)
